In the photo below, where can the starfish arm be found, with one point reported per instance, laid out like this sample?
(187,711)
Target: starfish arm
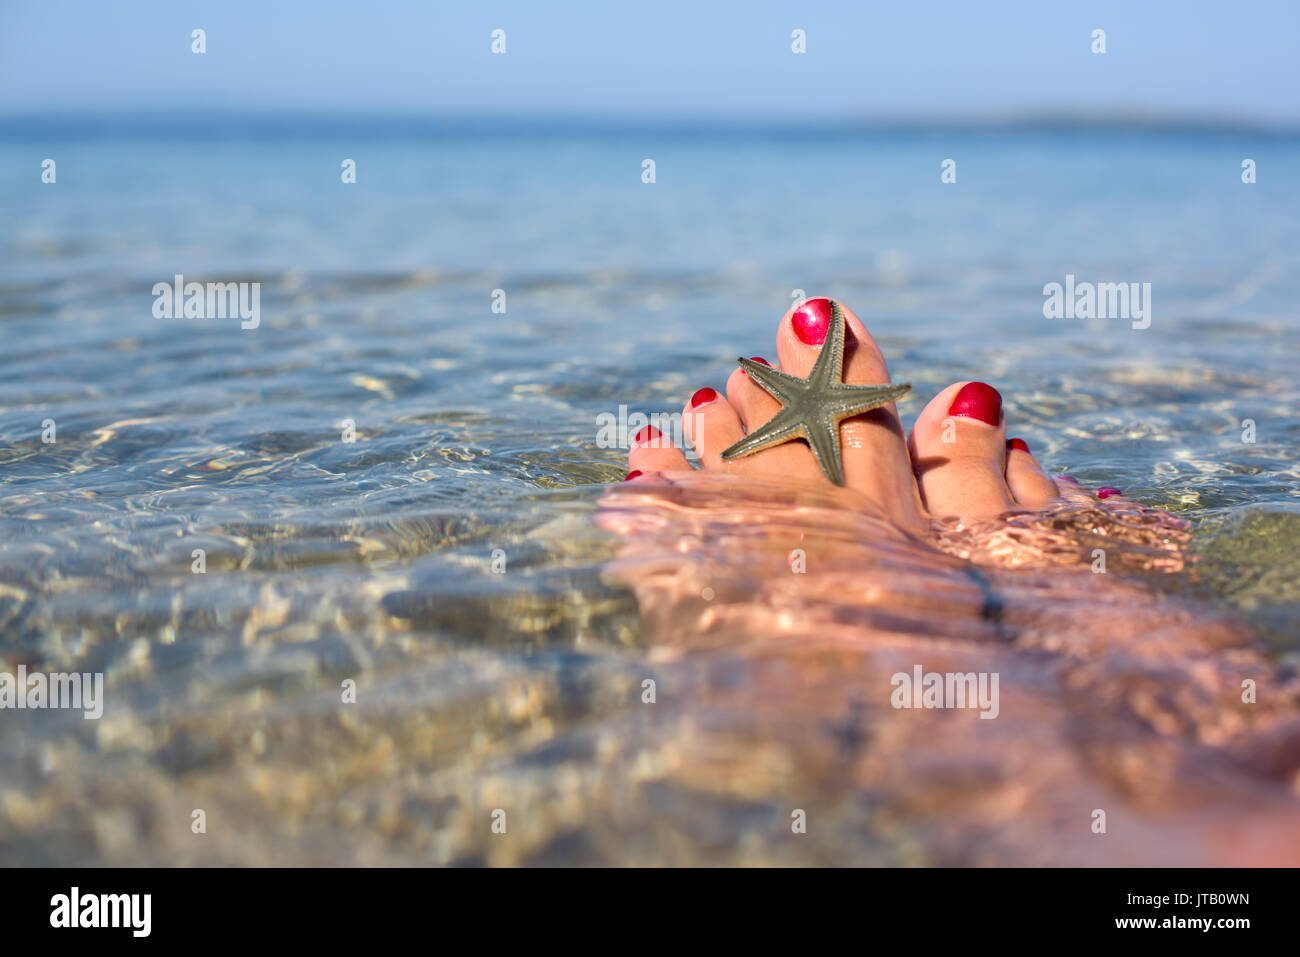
(829,368)
(824,437)
(782,427)
(811,408)
(779,385)
(855,399)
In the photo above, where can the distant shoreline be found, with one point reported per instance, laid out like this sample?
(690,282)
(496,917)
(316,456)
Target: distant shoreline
(259,124)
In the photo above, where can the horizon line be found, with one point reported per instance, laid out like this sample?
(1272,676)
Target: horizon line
(316,120)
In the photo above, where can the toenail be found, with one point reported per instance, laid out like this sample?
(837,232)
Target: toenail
(757,359)
(1068,478)
(812,320)
(635,473)
(647,435)
(1106,491)
(1020,444)
(977,400)
(705,395)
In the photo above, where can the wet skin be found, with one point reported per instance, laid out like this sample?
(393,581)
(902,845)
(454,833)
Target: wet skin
(952,550)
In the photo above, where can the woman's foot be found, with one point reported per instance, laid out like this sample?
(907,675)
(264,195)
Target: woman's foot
(781,608)
(958,462)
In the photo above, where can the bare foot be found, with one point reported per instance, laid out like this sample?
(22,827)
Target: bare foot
(875,458)
(952,551)
(957,471)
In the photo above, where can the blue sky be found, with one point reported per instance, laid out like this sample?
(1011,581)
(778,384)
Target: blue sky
(865,60)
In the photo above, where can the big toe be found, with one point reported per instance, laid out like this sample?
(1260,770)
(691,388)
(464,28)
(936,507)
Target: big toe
(873,448)
(958,450)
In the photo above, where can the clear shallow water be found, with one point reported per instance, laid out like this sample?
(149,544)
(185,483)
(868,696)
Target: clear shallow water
(477,431)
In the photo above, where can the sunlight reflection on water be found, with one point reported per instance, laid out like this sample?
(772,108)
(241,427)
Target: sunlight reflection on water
(476,432)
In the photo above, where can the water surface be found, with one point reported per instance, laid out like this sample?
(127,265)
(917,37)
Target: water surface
(381,560)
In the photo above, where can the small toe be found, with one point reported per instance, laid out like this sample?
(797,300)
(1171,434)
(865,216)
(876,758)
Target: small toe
(1068,487)
(751,401)
(711,425)
(652,451)
(1112,496)
(1028,482)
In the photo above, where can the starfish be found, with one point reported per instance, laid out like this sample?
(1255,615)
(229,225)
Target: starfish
(813,408)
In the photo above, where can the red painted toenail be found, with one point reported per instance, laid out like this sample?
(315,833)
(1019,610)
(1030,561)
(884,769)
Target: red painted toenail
(976,400)
(1106,491)
(1068,478)
(647,435)
(635,473)
(812,320)
(1020,444)
(756,359)
(704,395)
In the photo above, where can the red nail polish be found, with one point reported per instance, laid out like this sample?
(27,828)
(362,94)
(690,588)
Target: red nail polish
(760,359)
(704,395)
(1106,491)
(977,400)
(647,435)
(635,473)
(1020,444)
(1068,478)
(812,320)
